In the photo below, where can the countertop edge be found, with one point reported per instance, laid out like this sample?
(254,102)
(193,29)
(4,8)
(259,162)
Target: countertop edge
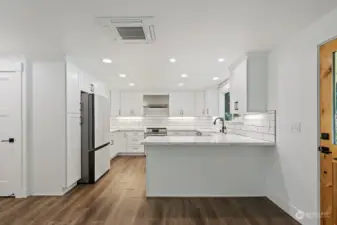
(210,144)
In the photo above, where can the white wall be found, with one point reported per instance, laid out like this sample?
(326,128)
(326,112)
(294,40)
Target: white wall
(293,91)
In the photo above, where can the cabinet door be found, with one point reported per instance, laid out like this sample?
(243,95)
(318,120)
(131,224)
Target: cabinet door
(175,104)
(121,142)
(131,104)
(188,104)
(73,90)
(113,145)
(182,104)
(115,109)
(239,89)
(200,103)
(212,102)
(73,149)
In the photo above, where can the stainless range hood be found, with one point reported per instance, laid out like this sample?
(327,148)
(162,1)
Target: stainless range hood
(156,105)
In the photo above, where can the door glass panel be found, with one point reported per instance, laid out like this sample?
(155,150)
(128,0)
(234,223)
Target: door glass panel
(334,71)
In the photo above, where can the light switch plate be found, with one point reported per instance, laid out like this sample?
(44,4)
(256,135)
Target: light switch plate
(296,127)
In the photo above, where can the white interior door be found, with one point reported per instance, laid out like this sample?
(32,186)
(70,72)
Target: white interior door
(10,132)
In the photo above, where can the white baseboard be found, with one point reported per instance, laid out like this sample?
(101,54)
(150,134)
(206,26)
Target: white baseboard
(21,194)
(70,187)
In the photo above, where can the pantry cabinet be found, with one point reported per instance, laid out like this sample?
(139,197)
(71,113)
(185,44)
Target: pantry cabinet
(248,83)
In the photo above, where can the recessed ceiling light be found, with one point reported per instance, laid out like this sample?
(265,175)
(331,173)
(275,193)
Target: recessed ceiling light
(106,60)
(181,84)
(173,60)
(221,60)
(122,75)
(184,75)
(216,78)
(131,84)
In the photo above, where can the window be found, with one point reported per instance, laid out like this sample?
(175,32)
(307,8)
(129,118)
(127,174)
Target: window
(227,103)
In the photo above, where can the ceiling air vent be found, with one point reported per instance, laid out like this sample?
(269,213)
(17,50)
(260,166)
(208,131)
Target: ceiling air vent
(131,33)
(129,30)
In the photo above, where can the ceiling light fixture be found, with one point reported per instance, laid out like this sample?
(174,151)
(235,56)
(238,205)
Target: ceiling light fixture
(221,60)
(122,75)
(173,60)
(181,84)
(131,84)
(216,78)
(106,60)
(184,75)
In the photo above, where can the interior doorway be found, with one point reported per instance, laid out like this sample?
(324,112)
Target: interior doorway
(10,132)
(328,140)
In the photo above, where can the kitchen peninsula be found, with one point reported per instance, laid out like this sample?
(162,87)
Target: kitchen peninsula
(206,166)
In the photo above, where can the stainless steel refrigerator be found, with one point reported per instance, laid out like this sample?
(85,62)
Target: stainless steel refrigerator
(95,125)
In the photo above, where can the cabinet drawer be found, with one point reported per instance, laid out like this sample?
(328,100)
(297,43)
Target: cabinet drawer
(136,148)
(173,133)
(135,133)
(135,140)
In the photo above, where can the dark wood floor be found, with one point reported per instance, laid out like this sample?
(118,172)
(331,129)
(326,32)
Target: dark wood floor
(118,199)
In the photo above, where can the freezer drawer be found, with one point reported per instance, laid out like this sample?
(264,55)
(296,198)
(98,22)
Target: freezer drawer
(102,162)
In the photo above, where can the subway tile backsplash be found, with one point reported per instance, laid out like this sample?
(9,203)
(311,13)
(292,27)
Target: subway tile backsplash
(255,125)
(260,126)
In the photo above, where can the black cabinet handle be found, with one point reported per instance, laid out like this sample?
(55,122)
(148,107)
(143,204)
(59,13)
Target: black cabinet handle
(10,140)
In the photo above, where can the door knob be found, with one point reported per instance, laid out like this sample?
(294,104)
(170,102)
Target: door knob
(10,140)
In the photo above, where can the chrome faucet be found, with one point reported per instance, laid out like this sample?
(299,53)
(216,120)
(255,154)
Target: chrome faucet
(224,128)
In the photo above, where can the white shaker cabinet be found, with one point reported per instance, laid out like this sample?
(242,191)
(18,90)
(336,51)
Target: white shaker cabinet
(212,102)
(200,107)
(249,84)
(73,148)
(182,104)
(131,104)
(73,90)
(115,103)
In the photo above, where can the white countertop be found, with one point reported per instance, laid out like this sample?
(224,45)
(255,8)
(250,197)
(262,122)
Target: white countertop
(217,139)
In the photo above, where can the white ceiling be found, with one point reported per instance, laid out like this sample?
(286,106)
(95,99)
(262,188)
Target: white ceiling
(196,33)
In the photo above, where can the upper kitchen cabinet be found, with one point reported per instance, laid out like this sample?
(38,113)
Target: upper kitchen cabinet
(200,107)
(115,103)
(182,104)
(132,104)
(73,89)
(212,102)
(248,83)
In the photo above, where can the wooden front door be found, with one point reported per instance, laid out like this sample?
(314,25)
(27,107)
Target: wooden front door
(328,125)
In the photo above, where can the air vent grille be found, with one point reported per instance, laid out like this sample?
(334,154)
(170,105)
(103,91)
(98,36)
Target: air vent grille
(131,33)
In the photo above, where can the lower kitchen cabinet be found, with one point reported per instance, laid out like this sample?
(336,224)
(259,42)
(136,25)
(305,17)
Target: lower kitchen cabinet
(117,143)
(134,142)
(126,143)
